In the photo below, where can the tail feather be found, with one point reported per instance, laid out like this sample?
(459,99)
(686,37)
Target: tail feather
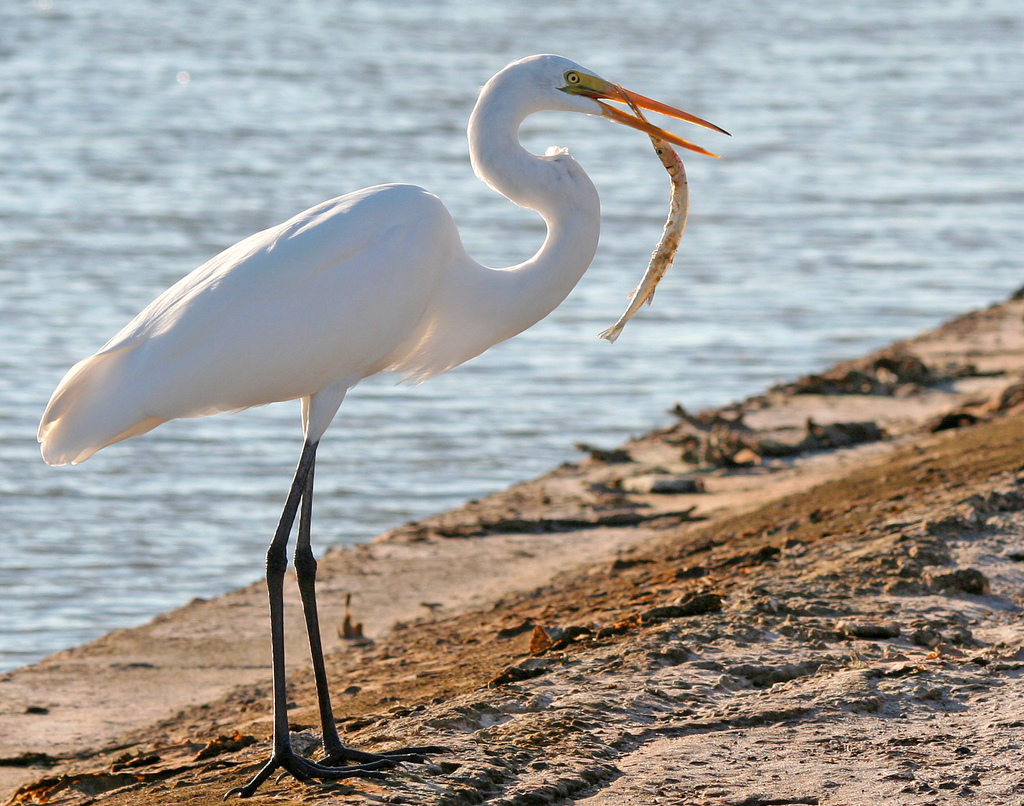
(89,410)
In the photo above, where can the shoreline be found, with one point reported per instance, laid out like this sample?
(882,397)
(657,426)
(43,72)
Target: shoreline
(793,489)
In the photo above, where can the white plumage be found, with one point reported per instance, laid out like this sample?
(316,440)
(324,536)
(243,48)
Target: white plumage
(376,280)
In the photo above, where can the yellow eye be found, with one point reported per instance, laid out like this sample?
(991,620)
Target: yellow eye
(572,77)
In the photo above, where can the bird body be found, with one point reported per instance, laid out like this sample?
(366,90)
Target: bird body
(334,294)
(371,281)
(376,280)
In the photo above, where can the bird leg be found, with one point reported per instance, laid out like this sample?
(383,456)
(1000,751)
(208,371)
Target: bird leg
(305,573)
(335,752)
(368,765)
(283,757)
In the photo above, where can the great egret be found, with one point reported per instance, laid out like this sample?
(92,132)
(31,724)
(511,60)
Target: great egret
(377,280)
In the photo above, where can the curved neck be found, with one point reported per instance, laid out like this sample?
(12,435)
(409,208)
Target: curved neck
(475,306)
(554,185)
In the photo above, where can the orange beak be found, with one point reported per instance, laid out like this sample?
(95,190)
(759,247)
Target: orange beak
(616,93)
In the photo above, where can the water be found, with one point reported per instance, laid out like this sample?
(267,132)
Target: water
(873,189)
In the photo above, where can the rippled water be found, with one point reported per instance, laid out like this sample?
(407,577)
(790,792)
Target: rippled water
(874,187)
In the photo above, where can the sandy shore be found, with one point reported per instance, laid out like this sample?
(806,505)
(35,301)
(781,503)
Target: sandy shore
(812,597)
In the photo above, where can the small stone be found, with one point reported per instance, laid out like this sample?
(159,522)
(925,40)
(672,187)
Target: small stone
(746,457)
(541,640)
(660,484)
(869,630)
(963,580)
(695,605)
(925,637)
(614,456)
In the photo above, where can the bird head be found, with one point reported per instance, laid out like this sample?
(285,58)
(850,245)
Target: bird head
(579,83)
(548,82)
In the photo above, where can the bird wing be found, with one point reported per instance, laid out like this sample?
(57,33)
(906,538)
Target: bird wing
(331,294)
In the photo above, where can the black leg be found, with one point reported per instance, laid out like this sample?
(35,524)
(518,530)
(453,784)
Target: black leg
(283,756)
(335,753)
(277,564)
(305,572)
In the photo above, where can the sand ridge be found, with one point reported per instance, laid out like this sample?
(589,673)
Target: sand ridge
(812,596)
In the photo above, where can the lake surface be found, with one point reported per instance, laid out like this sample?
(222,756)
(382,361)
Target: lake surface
(873,188)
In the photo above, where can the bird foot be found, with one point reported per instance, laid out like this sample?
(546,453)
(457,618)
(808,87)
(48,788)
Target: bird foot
(337,755)
(305,770)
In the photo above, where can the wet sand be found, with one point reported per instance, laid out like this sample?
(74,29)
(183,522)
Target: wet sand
(813,596)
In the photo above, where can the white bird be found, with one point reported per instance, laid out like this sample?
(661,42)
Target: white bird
(376,280)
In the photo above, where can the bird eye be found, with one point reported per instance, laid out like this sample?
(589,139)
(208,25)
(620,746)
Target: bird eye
(572,77)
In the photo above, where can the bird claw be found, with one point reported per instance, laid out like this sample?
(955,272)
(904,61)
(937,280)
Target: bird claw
(304,770)
(408,755)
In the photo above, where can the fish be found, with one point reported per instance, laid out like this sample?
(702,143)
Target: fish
(661,259)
